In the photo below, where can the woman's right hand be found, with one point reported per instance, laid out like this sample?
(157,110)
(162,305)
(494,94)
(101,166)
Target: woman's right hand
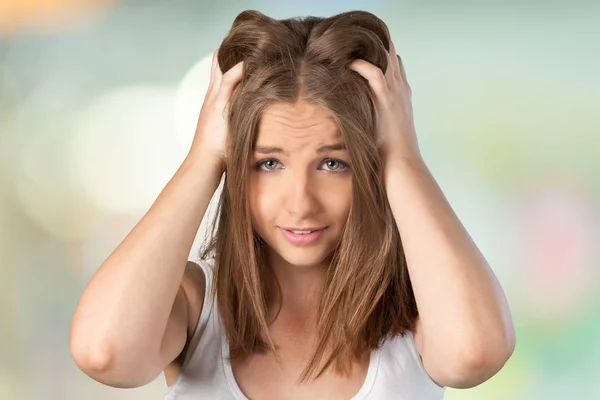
(211,130)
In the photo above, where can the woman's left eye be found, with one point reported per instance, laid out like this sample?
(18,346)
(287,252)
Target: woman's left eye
(336,165)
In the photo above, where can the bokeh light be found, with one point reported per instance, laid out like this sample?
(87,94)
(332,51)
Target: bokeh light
(124,147)
(189,99)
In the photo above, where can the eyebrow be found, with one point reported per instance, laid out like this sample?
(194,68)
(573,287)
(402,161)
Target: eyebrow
(322,149)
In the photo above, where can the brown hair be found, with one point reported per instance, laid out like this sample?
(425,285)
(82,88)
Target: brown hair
(367,296)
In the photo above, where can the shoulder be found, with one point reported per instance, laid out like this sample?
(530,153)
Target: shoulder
(417,336)
(194,286)
(191,291)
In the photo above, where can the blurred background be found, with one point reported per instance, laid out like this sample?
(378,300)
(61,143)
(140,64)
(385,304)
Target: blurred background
(98,103)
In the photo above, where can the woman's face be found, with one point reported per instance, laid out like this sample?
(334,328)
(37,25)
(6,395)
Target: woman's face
(299,183)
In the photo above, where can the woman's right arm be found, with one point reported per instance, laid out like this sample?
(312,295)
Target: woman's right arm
(132,318)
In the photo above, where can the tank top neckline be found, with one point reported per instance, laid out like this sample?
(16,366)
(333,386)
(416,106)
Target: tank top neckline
(362,393)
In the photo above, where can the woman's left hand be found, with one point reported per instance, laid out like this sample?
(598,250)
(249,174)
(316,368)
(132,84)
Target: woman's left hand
(395,124)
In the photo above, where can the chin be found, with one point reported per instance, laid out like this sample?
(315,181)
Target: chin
(299,261)
(305,257)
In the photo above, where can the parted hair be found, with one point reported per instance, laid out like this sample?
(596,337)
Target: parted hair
(367,296)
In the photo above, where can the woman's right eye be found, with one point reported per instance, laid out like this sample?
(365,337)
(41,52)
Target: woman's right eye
(269,164)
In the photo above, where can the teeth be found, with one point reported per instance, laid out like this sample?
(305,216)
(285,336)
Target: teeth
(302,232)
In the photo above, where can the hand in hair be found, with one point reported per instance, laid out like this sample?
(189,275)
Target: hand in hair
(211,131)
(395,123)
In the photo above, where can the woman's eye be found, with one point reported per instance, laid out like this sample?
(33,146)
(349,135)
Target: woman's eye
(270,165)
(332,165)
(336,165)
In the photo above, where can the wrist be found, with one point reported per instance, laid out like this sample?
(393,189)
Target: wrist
(205,160)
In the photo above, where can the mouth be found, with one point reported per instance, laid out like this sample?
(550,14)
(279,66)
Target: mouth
(304,236)
(303,230)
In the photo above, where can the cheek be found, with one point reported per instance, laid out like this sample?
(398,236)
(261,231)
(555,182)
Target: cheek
(345,206)
(337,198)
(263,201)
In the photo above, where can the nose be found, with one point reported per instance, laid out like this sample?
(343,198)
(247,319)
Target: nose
(300,199)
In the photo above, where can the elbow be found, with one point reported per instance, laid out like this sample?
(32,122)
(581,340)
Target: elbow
(90,354)
(495,348)
(479,371)
(481,362)
(100,364)
(94,361)
(87,355)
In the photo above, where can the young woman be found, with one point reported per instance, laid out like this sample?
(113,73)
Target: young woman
(336,268)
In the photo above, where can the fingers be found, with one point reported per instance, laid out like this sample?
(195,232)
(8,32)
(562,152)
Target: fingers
(222,85)
(393,61)
(215,72)
(230,80)
(377,80)
(396,61)
(402,71)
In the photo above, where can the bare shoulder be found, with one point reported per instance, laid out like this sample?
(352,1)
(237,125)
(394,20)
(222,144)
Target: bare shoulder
(191,298)
(420,347)
(194,287)
(418,335)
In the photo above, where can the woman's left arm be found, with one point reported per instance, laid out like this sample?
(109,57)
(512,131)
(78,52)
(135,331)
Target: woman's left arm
(464,332)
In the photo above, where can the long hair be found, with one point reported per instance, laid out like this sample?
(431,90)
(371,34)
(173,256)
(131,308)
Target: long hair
(367,297)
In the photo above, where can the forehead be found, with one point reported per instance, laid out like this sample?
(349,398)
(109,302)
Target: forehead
(297,120)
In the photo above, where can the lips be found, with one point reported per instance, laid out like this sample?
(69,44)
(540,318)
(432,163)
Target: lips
(302,239)
(316,228)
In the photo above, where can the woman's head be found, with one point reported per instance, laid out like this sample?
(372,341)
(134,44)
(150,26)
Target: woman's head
(300,180)
(298,95)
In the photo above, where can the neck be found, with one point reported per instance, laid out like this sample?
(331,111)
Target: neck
(299,291)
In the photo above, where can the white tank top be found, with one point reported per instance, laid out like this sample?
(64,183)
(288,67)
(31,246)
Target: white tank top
(395,369)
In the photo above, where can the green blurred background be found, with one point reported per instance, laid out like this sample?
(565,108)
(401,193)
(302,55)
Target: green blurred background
(98,101)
